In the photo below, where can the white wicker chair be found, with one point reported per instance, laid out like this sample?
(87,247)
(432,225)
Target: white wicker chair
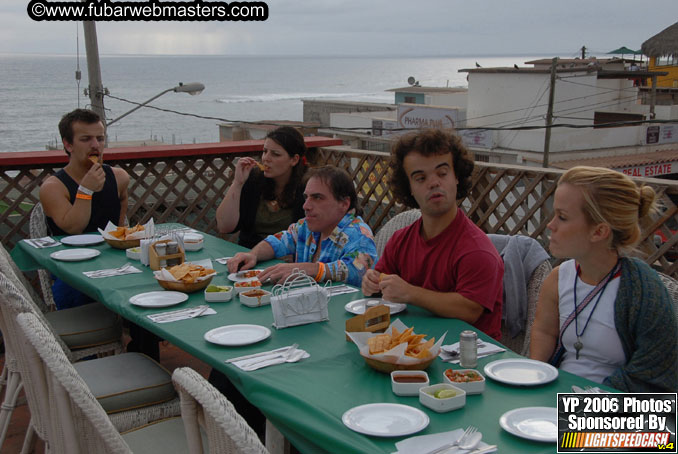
(13,301)
(106,346)
(203,406)
(397,222)
(37,228)
(80,425)
(10,373)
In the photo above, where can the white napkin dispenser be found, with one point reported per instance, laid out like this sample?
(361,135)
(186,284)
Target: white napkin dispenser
(299,300)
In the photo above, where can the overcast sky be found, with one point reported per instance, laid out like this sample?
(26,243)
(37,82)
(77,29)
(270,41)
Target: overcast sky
(367,27)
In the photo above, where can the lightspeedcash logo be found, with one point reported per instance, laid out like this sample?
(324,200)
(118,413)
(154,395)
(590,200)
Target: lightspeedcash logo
(151,10)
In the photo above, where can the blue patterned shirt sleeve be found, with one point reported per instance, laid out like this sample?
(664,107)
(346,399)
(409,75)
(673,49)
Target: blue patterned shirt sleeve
(347,253)
(285,242)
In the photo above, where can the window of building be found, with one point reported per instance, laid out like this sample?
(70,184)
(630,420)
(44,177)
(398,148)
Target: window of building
(410,100)
(667,60)
(600,118)
(481,157)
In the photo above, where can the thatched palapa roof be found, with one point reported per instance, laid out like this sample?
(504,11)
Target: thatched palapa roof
(663,43)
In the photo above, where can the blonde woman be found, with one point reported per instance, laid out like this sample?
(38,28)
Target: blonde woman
(601,315)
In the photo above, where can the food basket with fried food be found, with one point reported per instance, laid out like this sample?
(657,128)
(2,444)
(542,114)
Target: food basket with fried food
(123,237)
(187,277)
(399,348)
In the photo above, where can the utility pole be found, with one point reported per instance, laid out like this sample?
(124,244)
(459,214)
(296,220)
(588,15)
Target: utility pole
(583,52)
(96,89)
(549,113)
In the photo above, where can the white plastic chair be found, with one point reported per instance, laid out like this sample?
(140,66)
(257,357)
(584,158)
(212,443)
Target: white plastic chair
(79,424)
(394,224)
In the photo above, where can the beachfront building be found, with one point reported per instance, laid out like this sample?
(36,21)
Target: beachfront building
(662,50)
(589,96)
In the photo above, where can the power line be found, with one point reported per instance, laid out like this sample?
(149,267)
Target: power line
(477,128)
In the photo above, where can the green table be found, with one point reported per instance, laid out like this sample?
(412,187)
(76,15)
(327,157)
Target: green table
(306,400)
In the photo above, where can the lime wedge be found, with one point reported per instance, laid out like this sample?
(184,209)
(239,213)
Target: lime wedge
(445,393)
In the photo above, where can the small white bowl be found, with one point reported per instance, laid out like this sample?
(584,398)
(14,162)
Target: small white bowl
(442,405)
(193,242)
(471,387)
(403,382)
(256,301)
(239,289)
(133,253)
(221,296)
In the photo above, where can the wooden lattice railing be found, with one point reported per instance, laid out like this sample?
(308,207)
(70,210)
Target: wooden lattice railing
(185,183)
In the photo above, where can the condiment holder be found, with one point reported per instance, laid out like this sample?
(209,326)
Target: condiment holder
(299,300)
(224,294)
(471,387)
(427,397)
(408,382)
(255,297)
(159,260)
(374,320)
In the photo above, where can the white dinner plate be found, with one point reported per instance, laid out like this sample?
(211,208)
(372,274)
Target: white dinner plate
(234,335)
(385,420)
(521,371)
(533,423)
(82,240)
(158,299)
(239,276)
(358,306)
(74,255)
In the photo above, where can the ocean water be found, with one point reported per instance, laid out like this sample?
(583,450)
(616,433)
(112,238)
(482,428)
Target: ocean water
(36,90)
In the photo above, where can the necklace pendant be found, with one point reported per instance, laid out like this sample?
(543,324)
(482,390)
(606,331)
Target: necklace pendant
(578,346)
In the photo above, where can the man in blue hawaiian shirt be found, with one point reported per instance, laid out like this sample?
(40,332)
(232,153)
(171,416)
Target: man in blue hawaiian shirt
(331,243)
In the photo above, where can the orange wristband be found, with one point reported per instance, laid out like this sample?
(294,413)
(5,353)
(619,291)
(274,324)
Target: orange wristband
(321,271)
(83,196)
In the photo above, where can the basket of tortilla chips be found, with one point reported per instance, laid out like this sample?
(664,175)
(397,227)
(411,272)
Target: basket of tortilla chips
(187,277)
(124,237)
(399,348)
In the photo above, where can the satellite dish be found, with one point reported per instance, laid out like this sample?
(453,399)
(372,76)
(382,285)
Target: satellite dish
(411,80)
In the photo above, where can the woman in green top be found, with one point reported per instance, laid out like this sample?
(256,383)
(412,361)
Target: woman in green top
(266,198)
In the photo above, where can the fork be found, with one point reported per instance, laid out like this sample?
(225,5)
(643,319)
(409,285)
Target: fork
(110,272)
(189,312)
(470,430)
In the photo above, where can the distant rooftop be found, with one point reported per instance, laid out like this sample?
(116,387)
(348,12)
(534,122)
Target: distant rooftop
(420,89)
(620,162)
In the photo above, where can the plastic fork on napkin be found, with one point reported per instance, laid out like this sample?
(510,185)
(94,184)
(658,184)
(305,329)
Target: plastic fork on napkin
(44,242)
(182,314)
(426,443)
(127,268)
(289,354)
(450,353)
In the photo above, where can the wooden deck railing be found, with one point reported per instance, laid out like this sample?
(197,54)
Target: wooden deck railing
(185,183)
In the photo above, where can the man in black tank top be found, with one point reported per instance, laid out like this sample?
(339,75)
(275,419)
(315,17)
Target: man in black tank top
(83,196)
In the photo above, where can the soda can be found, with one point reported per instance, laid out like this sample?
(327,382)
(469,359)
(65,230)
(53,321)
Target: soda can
(468,349)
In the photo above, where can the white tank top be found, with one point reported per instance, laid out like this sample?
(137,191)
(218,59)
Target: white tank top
(602,352)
